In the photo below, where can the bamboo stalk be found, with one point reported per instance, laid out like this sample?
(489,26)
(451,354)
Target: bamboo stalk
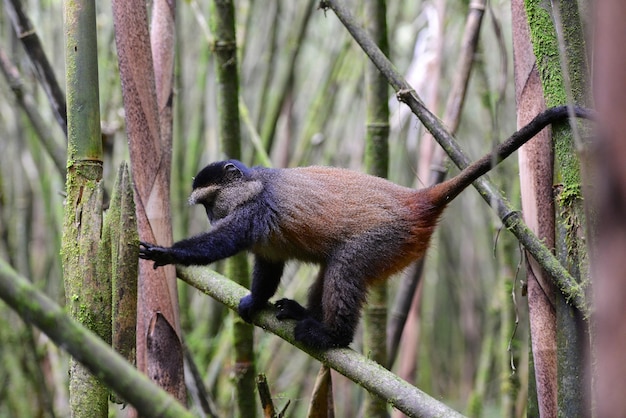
(377,163)
(120,229)
(536,179)
(608,261)
(88,296)
(561,62)
(451,119)
(159,347)
(225,49)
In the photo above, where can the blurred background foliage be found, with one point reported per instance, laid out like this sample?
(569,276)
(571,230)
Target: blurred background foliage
(302,95)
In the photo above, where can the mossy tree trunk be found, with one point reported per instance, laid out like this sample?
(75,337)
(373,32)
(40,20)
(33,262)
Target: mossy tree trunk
(88,298)
(225,48)
(559,47)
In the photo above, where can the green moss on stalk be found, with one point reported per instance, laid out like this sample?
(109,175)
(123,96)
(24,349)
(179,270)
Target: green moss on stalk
(569,168)
(546,49)
(545,46)
(571,217)
(569,194)
(82,229)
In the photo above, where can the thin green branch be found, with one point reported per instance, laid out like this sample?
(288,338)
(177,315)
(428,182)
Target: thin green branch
(268,129)
(227,69)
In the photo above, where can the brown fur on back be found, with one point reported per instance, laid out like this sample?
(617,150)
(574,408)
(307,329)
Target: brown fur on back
(335,205)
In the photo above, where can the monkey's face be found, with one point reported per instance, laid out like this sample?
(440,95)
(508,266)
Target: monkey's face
(205,196)
(222,186)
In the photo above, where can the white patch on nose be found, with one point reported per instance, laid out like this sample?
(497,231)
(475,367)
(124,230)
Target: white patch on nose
(201,194)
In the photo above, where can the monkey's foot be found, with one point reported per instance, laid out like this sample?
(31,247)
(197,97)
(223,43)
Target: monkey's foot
(290,309)
(314,334)
(309,330)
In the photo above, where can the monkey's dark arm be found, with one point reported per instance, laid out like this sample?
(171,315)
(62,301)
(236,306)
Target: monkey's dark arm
(265,279)
(227,238)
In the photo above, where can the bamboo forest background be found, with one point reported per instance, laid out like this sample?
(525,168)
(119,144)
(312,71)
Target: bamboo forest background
(303,99)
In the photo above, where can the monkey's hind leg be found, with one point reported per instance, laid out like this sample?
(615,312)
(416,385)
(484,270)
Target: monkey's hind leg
(342,293)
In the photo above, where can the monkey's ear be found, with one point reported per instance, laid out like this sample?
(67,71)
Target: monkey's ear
(232,170)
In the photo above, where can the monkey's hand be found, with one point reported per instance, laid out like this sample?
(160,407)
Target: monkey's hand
(290,309)
(248,307)
(160,255)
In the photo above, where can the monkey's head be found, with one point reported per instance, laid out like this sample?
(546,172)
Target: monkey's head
(222,186)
